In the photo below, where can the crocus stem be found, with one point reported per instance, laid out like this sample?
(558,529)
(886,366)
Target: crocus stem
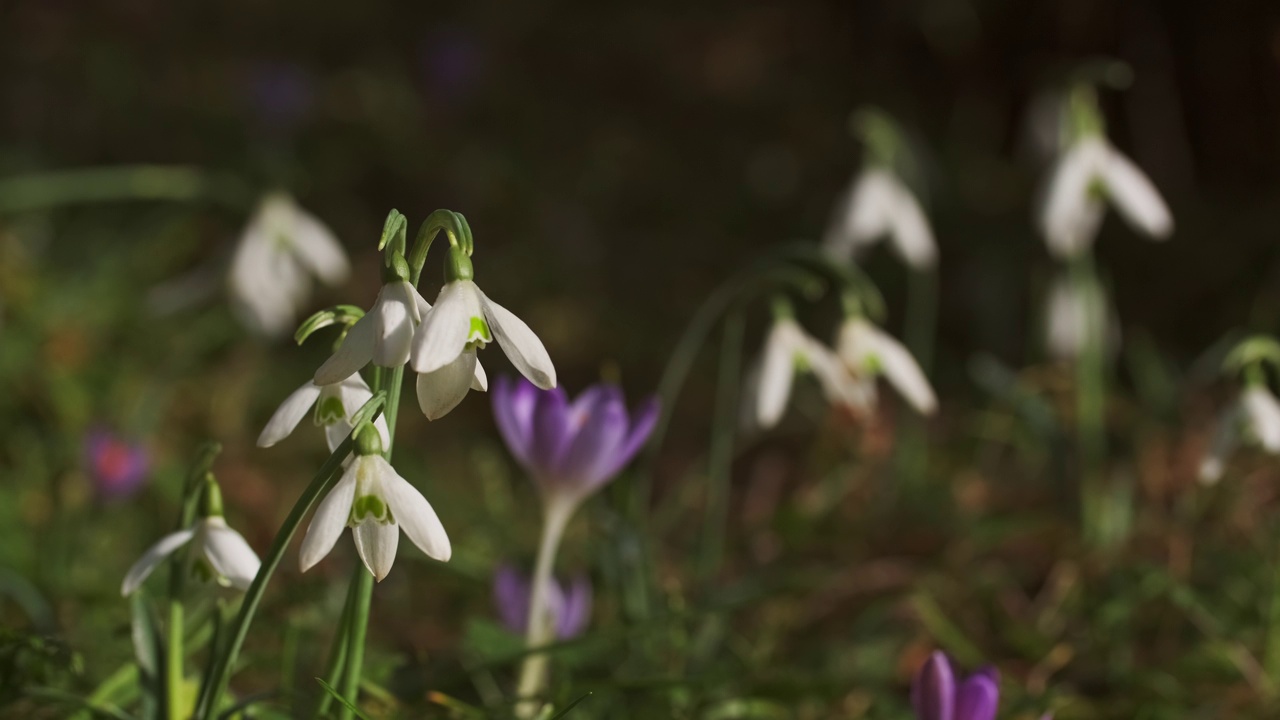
(541,625)
(321,483)
(719,472)
(174,656)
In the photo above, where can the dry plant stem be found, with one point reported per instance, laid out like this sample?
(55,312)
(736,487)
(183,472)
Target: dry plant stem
(541,625)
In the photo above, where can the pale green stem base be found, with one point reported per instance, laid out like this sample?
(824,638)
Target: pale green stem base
(541,625)
(174,677)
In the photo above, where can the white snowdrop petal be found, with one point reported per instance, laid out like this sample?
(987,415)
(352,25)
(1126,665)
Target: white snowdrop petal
(1263,413)
(520,344)
(355,352)
(1135,197)
(329,520)
(376,544)
(397,311)
(230,555)
(416,516)
(479,380)
(153,557)
(911,235)
(869,207)
(904,373)
(441,391)
(444,329)
(1070,215)
(777,372)
(289,414)
(838,385)
(318,248)
(1225,439)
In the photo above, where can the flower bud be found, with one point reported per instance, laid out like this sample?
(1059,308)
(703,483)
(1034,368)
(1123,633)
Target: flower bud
(457,265)
(368,441)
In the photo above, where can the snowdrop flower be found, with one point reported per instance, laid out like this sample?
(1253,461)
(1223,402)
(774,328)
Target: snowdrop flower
(879,204)
(218,553)
(462,322)
(382,336)
(789,350)
(1255,417)
(936,694)
(280,249)
(375,503)
(571,449)
(1071,314)
(1090,171)
(868,352)
(569,603)
(334,404)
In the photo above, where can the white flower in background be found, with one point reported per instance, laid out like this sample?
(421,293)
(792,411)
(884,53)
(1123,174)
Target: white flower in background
(383,336)
(279,251)
(218,554)
(463,321)
(869,352)
(1071,313)
(1254,418)
(334,404)
(1089,172)
(789,350)
(877,205)
(376,503)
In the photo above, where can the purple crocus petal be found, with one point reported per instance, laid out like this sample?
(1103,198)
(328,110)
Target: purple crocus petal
(642,423)
(511,598)
(977,697)
(591,453)
(575,612)
(513,404)
(551,431)
(934,689)
(589,402)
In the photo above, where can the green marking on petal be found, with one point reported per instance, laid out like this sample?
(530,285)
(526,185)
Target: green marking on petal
(871,365)
(203,571)
(329,410)
(370,506)
(479,332)
(800,362)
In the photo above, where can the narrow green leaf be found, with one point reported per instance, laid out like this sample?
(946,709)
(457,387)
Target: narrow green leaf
(569,707)
(338,696)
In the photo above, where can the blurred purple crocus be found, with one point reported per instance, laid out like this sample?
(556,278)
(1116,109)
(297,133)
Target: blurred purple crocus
(568,602)
(118,468)
(570,448)
(936,694)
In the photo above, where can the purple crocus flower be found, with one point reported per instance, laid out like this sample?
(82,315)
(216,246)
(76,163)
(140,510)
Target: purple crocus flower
(569,602)
(936,695)
(118,468)
(570,448)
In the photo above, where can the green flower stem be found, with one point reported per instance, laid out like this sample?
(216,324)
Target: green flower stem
(921,327)
(721,452)
(337,661)
(362,581)
(1091,405)
(320,484)
(173,658)
(541,625)
(357,629)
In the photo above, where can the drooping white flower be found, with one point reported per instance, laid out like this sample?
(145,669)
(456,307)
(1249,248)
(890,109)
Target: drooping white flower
(1071,314)
(376,503)
(1254,418)
(868,351)
(218,554)
(462,322)
(1090,171)
(279,251)
(334,404)
(788,350)
(877,205)
(383,336)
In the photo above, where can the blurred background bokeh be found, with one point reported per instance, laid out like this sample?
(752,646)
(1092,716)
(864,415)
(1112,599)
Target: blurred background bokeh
(616,162)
